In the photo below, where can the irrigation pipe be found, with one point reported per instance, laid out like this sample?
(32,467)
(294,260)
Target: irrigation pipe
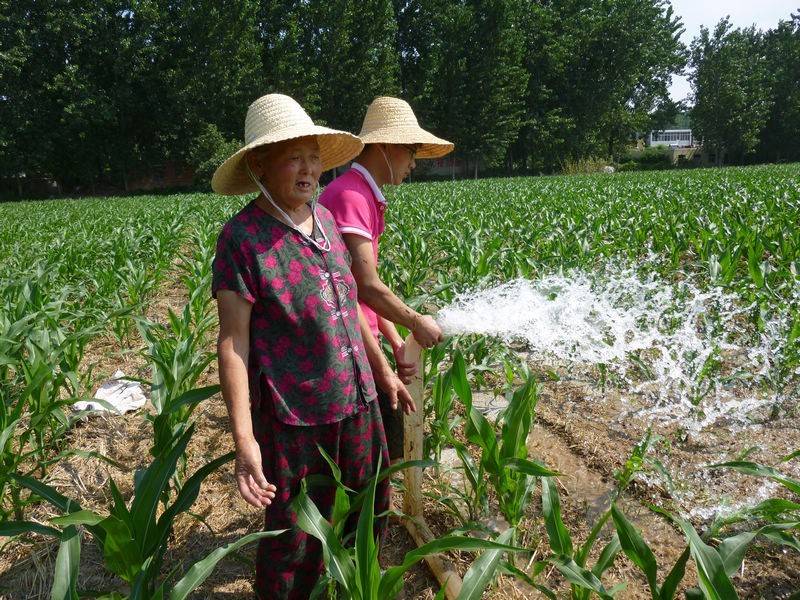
(413,426)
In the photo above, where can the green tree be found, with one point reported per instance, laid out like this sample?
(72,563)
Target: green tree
(463,69)
(288,52)
(357,58)
(779,139)
(599,71)
(731,89)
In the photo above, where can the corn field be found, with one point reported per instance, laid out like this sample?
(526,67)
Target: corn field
(691,398)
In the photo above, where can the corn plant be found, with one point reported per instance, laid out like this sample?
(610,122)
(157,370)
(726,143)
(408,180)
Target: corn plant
(178,357)
(442,423)
(781,515)
(42,343)
(571,561)
(353,571)
(503,461)
(133,540)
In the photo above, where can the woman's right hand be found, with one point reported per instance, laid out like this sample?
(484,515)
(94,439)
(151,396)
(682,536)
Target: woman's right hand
(253,486)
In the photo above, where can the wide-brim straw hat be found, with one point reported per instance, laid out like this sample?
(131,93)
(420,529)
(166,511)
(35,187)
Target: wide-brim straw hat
(391,121)
(275,118)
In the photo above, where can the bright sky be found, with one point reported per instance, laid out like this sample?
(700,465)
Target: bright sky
(765,14)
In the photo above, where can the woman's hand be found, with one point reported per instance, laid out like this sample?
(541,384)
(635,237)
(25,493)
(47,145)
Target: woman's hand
(405,370)
(388,381)
(253,486)
(426,331)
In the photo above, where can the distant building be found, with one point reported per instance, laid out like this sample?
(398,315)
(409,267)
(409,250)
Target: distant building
(677,138)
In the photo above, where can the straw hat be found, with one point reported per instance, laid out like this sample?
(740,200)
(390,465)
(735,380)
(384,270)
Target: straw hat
(275,118)
(391,121)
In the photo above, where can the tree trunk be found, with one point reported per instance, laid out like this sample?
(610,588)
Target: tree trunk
(476,168)
(19,187)
(124,178)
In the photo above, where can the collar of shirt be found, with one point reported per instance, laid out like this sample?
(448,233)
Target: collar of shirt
(370,182)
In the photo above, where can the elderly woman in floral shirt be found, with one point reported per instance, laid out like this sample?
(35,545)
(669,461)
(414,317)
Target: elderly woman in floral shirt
(296,358)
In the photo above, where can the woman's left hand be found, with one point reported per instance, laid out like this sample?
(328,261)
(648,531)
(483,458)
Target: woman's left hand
(390,383)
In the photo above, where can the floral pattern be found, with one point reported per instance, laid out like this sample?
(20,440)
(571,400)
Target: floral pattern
(305,339)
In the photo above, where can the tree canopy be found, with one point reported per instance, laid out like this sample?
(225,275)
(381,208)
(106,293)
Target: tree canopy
(95,92)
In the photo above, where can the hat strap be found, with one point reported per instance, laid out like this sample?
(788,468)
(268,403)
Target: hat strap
(325,246)
(388,164)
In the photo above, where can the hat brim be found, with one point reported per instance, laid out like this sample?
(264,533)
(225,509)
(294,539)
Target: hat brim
(335,149)
(429,146)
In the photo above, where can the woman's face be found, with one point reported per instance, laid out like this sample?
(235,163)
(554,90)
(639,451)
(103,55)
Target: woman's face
(290,170)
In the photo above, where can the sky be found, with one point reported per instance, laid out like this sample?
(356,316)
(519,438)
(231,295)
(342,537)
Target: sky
(764,14)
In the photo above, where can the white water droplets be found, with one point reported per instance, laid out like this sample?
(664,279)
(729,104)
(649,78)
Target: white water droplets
(670,343)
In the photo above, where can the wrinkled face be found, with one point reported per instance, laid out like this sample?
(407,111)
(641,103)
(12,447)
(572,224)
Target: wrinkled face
(402,158)
(289,170)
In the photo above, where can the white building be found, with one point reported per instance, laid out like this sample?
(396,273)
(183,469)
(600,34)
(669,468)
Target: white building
(671,137)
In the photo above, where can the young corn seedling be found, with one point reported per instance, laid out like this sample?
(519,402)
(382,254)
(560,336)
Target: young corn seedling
(132,539)
(353,571)
(441,422)
(716,565)
(504,461)
(572,561)
(178,357)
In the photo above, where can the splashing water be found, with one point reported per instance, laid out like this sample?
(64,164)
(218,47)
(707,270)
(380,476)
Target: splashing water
(667,342)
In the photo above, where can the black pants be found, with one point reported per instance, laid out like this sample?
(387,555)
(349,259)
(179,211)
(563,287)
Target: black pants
(393,426)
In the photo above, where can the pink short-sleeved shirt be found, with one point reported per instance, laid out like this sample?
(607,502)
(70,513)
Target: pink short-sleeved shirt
(357,205)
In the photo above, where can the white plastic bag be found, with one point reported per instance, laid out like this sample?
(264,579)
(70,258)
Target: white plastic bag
(123,394)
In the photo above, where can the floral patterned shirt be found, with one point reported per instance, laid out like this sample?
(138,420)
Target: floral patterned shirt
(305,339)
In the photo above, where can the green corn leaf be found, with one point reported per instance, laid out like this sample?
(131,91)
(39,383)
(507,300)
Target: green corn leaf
(6,434)
(459,379)
(121,552)
(794,454)
(337,559)
(732,550)
(366,551)
(184,501)
(751,468)
(200,571)
(12,528)
(529,467)
(482,570)
(607,557)
(710,569)
(65,576)
(578,576)
(557,534)
(192,397)
(392,577)
(517,421)
(636,549)
(47,493)
(778,535)
(154,481)
(521,575)
(674,577)
(58,500)
(774,509)
(79,517)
